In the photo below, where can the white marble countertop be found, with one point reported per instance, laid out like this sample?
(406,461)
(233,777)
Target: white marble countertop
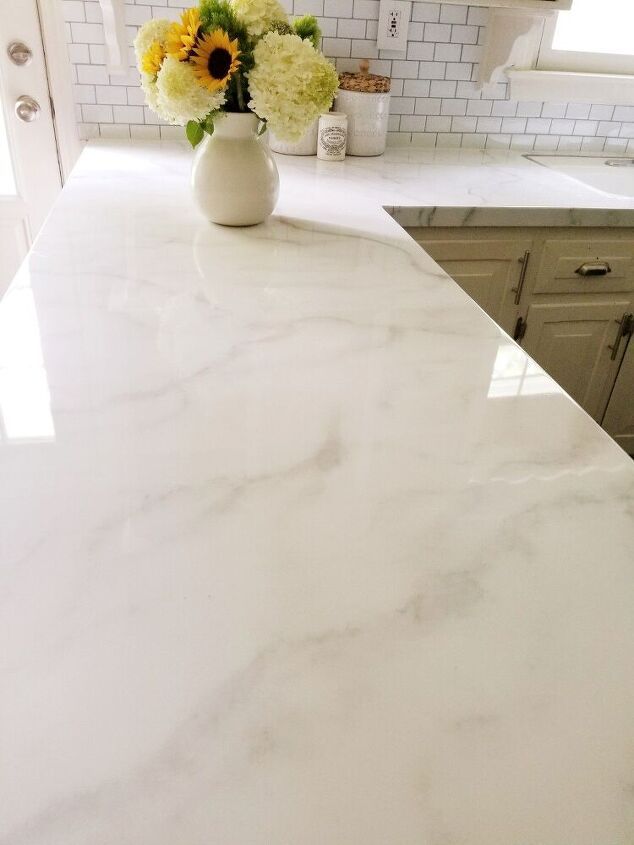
(297,547)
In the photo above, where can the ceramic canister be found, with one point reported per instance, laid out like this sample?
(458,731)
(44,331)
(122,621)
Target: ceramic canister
(332,137)
(365,98)
(306,146)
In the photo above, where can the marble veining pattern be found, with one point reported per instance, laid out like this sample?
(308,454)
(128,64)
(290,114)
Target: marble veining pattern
(279,563)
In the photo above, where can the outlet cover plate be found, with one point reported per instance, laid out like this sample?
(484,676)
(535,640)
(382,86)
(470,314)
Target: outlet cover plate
(394,18)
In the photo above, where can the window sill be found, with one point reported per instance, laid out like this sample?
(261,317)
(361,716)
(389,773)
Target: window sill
(556,86)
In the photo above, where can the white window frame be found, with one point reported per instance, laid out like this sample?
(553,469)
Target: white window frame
(579,62)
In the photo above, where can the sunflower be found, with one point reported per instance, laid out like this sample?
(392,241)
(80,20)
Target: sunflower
(183,37)
(215,59)
(153,59)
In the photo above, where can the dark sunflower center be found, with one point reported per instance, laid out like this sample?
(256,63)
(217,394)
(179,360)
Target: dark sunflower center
(219,63)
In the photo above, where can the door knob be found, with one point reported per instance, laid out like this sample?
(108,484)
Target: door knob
(19,53)
(27,109)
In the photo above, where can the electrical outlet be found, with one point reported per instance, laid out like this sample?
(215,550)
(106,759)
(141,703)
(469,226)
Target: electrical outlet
(393,24)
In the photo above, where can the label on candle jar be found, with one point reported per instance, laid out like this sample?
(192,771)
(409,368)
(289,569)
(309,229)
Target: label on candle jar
(333,140)
(333,136)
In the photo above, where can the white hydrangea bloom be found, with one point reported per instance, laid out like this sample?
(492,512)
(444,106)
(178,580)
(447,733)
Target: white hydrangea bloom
(151,31)
(259,15)
(150,89)
(291,84)
(180,96)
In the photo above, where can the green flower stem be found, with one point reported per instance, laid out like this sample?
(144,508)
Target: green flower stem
(240,92)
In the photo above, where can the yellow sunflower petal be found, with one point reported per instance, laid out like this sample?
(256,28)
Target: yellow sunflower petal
(183,36)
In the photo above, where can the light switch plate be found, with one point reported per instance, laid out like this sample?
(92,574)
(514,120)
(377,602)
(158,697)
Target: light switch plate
(393,24)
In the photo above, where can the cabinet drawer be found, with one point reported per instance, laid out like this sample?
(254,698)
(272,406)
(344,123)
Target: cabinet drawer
(561,259)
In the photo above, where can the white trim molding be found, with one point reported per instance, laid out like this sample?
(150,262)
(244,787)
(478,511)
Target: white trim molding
(112,12)
(568,87)
(58,71)
(513,37)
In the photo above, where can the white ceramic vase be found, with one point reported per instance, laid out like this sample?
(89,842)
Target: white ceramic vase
(234,176)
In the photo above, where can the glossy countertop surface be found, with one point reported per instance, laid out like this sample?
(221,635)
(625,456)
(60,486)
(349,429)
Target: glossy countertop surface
(297,546)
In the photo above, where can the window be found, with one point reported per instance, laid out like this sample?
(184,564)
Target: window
(595,36)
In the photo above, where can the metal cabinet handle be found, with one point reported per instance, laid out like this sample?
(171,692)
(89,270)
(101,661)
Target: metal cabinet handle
(19,53)
(518,290)
(626,326)
(27,109)
(594,268)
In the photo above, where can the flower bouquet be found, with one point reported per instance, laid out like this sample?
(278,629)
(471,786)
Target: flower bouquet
(226,71)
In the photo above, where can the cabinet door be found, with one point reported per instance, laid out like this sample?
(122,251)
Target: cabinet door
(619,416)
(488,270)
(572,343)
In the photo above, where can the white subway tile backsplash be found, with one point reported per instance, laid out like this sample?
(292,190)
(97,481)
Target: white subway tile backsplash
(402,105)
(97,114)
(109,95)
(432,70)
(426,12)
(600,112)
(578,111)
(86,33)
(420,51)
(338,8)
(538,125)
(554,110)
(337,46)
(477,16)
(366,9)
(453,107)
(442,88)
(514,125)
(585,127)
(438,124)
(453,14)
(562,127)
(351,28)
(623,113)
(363,49)
(405,69)
(428,105)
(437,32)
(455,70)
(415,87)
(434,100)
(308,7)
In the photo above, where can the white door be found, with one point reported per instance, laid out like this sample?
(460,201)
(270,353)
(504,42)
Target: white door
(30,176)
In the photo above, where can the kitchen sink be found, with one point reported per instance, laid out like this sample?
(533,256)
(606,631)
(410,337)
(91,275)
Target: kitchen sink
(610,175)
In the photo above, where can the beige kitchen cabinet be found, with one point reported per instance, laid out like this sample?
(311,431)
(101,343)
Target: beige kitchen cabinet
(572,342)
(619,416)
(490,269)
(563,294)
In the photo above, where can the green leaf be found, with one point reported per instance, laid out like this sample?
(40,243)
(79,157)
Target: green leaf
(208,125)
(261,128)
(194,132)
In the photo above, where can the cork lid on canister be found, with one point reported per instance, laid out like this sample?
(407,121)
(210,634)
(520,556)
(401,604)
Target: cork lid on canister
(364,82)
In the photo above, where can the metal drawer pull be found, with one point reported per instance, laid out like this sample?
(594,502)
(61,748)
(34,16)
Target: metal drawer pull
(594,268)
(518,290)
(626,326)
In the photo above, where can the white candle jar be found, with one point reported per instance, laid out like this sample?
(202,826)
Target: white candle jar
(365,99)
(332,137)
